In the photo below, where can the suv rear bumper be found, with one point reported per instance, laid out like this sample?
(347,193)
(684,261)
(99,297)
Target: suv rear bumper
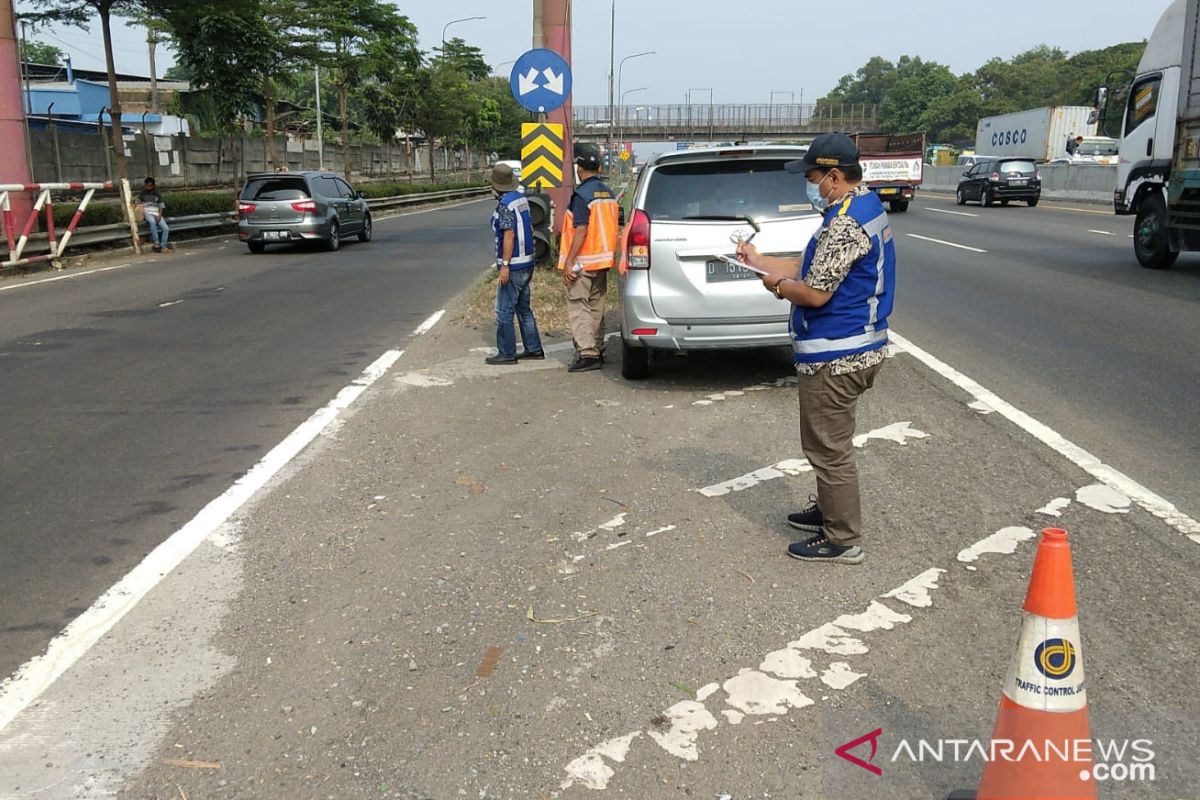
(309,230)
(637,314)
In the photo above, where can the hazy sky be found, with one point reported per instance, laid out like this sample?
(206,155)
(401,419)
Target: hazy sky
(744,50)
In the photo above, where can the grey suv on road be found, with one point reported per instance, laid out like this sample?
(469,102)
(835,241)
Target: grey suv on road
(289,207)
(677,294)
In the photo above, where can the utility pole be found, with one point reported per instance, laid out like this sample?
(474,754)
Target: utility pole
(612,52)
(320,139)
(151,43)
(14,156)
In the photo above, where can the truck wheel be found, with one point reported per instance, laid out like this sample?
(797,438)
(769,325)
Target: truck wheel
(898,206)
(1151,242)
(635,362)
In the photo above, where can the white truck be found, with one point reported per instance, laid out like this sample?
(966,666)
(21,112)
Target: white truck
(1039,133)
(1158,166)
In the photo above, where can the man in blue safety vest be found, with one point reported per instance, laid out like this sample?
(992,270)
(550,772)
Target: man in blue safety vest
(841,295)
(513,227)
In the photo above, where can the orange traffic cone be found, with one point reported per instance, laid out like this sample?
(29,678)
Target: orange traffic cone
(1041,745)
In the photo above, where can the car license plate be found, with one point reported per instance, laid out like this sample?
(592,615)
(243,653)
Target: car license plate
(1018,181)
(720,272)
(275,235)
(888,191)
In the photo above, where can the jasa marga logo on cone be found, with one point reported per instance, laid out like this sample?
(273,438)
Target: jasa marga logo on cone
(1047,670)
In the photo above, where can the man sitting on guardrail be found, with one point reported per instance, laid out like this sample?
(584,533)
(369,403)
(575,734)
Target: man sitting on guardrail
(151,201)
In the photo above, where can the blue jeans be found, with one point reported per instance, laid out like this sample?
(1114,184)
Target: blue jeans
(513,298)
(158,224)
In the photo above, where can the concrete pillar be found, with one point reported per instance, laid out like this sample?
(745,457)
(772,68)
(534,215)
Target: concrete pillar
(554,34)
(14,158)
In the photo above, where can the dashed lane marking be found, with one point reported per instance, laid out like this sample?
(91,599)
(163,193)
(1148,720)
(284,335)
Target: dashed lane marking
(1102,233)
(948,244)
(898,432)
(947,211)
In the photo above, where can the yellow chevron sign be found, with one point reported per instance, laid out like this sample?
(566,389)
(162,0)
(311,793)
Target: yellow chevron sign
(542,155)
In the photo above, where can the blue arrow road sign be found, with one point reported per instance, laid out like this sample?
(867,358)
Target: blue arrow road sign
(541,80)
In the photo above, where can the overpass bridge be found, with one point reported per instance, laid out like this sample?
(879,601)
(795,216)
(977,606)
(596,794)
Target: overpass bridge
(705,122)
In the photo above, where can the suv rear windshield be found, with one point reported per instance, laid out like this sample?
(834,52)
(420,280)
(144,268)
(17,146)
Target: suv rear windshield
(757,188)
(281,188)
(1016,166)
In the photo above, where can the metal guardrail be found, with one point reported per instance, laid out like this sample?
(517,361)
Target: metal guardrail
(119,231)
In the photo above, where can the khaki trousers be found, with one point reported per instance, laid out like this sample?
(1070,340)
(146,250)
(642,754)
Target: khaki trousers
(827,418)
(585,311)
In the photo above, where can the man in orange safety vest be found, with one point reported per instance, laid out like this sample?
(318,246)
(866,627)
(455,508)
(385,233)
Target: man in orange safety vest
(586,254)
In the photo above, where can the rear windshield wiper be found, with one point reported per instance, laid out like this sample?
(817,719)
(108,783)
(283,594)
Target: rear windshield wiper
(724,218)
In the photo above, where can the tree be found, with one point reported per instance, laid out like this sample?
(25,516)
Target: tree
(224,48)
(80,12)
(35,52)
(360,41)
(443,106)
(466,58)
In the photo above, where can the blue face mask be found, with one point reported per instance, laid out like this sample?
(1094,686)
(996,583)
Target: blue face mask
(814,193)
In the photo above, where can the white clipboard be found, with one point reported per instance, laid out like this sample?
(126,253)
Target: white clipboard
(742,264)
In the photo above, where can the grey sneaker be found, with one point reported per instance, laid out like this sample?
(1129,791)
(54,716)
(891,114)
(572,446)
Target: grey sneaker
(818,548)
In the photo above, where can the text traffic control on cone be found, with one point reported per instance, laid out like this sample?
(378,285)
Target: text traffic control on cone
(1043,707)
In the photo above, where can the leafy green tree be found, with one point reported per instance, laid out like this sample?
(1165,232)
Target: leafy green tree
(464,57)
(360,41)
(35,52)
(444,105)
(224,47)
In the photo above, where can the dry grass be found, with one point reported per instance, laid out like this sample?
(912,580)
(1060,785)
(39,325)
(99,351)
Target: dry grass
(548,298)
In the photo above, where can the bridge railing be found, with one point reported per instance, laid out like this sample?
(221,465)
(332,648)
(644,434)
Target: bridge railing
(760,118)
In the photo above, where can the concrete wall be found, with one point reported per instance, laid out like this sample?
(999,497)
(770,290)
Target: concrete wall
(178,161)
(1060,182)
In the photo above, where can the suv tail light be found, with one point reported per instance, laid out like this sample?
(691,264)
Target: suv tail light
(996,176)
(305,205)
(637,254)
(245,208)
(1039,174)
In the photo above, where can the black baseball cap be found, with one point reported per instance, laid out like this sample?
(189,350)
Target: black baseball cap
(587,158)
(826,151)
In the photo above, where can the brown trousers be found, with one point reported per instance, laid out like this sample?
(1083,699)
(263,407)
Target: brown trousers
(585,311)
(827,418)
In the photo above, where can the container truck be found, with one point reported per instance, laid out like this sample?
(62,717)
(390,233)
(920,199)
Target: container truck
(1039,134)
(893,165)
(1158,163)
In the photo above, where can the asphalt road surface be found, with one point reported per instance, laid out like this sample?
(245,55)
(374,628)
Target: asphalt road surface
(517,582)
(135,396)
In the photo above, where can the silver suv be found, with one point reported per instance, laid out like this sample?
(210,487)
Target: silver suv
(677,294)
(283,207)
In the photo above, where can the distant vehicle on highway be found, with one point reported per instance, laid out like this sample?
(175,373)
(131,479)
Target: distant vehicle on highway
(892,165)
(1039,134)
(677,294)
(290,207)
(1002,179)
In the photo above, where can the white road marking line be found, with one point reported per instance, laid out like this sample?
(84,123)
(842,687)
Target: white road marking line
(1102,233)
(33,677)
(64,277)
(426,326)
(1102,498)
(169,303)
(1003,541)
(948,244)
(1110,477)
(898,432)
(946,211)
(1055,507)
